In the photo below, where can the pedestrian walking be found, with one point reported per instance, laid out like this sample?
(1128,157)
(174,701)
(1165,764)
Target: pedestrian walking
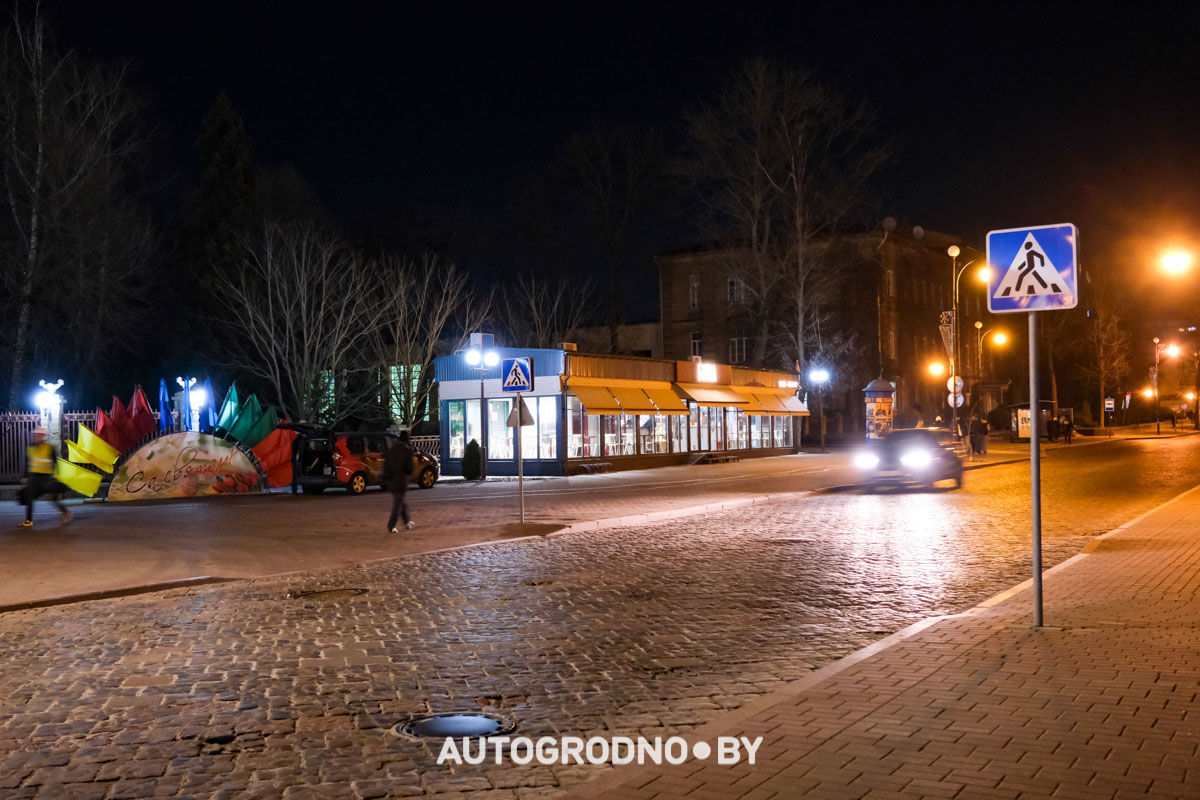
(1068,429)
(977,436)
(39,477)
(397,469)
(1052,430)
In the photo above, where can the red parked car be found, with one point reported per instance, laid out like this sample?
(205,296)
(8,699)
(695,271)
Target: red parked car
(352,460)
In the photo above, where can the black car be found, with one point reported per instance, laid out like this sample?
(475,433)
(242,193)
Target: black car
(353,460)
(911,456)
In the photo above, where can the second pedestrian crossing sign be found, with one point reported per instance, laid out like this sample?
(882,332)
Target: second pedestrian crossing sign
(1033,269)
(516,374)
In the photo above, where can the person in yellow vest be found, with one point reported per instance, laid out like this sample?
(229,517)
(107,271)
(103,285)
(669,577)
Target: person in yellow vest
(39,476)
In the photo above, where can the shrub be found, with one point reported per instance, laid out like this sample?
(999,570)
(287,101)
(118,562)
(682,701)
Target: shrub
(472,465)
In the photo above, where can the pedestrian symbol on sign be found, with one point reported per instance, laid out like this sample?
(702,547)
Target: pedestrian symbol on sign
(518,374)
(1030,263)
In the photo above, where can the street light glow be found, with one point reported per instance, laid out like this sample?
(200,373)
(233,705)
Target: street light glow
(819,375)
(953,251)
(985,274)
(937,369)
(1176,261)
(1000,338)
(473,357)
(1190,395)
(491,358)
(1147,393)
(1172,350)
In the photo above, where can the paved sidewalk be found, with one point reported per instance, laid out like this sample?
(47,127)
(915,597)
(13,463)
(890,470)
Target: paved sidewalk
(1102,702)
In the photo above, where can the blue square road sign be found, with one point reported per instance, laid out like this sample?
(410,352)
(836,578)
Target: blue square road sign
(516,374)
(1033,269)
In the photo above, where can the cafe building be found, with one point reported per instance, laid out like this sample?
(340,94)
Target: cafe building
(593,412)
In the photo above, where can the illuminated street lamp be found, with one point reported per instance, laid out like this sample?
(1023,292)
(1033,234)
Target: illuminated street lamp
(998,340)
(481,361)
(819,376)
(1172,350)
(1177,261)
(984,275)
(937,369)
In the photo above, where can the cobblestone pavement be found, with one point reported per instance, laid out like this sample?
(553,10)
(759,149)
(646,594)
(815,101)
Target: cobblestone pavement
(240,691)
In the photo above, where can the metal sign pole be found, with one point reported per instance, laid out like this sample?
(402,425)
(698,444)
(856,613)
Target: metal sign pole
(520,462)
(1035,470)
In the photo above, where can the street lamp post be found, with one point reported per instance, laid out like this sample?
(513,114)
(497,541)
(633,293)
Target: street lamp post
(481,361)
(819,377)
(956,273)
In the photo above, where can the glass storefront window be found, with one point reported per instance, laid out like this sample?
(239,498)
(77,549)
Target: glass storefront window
(591,435)
(660,433)
(779,426)
(474,429)
(703,428)
(529,434)
(547,428)
(740,425)
(645,433)
(694,429)
(457,423)
(500,439)
(628,434)
(755,431)
(786,422)
(717,424)
(611,426)
(679,433)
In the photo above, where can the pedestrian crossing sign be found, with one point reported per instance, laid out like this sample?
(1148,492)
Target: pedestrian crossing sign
(1033,269)
(516,374)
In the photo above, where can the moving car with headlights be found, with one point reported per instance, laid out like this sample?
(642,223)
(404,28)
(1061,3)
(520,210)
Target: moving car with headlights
(353,461)
(911,456)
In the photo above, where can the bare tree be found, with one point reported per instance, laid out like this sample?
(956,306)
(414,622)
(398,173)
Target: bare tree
(616,171)
(780,162)
(302,312)
(61,121)
(1105,344)
(541,312)
(426,300)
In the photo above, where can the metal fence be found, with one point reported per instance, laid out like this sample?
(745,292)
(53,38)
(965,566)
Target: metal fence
(16,431)
(428,444)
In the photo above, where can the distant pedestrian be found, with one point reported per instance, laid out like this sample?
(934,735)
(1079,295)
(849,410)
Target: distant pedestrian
(39,477)
(978,436)
(397,469)
(1052,430)
(1068,429)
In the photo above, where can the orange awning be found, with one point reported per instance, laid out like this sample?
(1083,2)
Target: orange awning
(794,406)
(667,401)
(596,399)
(713,395)
(633,400)
(772,403)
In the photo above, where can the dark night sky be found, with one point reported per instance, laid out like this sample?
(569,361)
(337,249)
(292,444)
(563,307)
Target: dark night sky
(1004,116)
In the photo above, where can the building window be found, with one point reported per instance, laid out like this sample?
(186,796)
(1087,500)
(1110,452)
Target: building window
(547,427)
(737,292)
(679,436)
(697,343)
(694,291)
(737,349)
(891,343)
(457,426)
(889,279)
(500,436)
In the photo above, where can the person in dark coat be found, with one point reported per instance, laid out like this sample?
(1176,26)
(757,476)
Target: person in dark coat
(397,469)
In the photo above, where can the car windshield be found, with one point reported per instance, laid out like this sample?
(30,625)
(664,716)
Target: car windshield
(919,436)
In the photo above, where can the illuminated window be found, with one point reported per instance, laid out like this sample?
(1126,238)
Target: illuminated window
(697,343)
(694,291)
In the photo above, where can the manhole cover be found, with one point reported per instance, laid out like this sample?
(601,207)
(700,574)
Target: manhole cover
(327,594)
(468,724)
